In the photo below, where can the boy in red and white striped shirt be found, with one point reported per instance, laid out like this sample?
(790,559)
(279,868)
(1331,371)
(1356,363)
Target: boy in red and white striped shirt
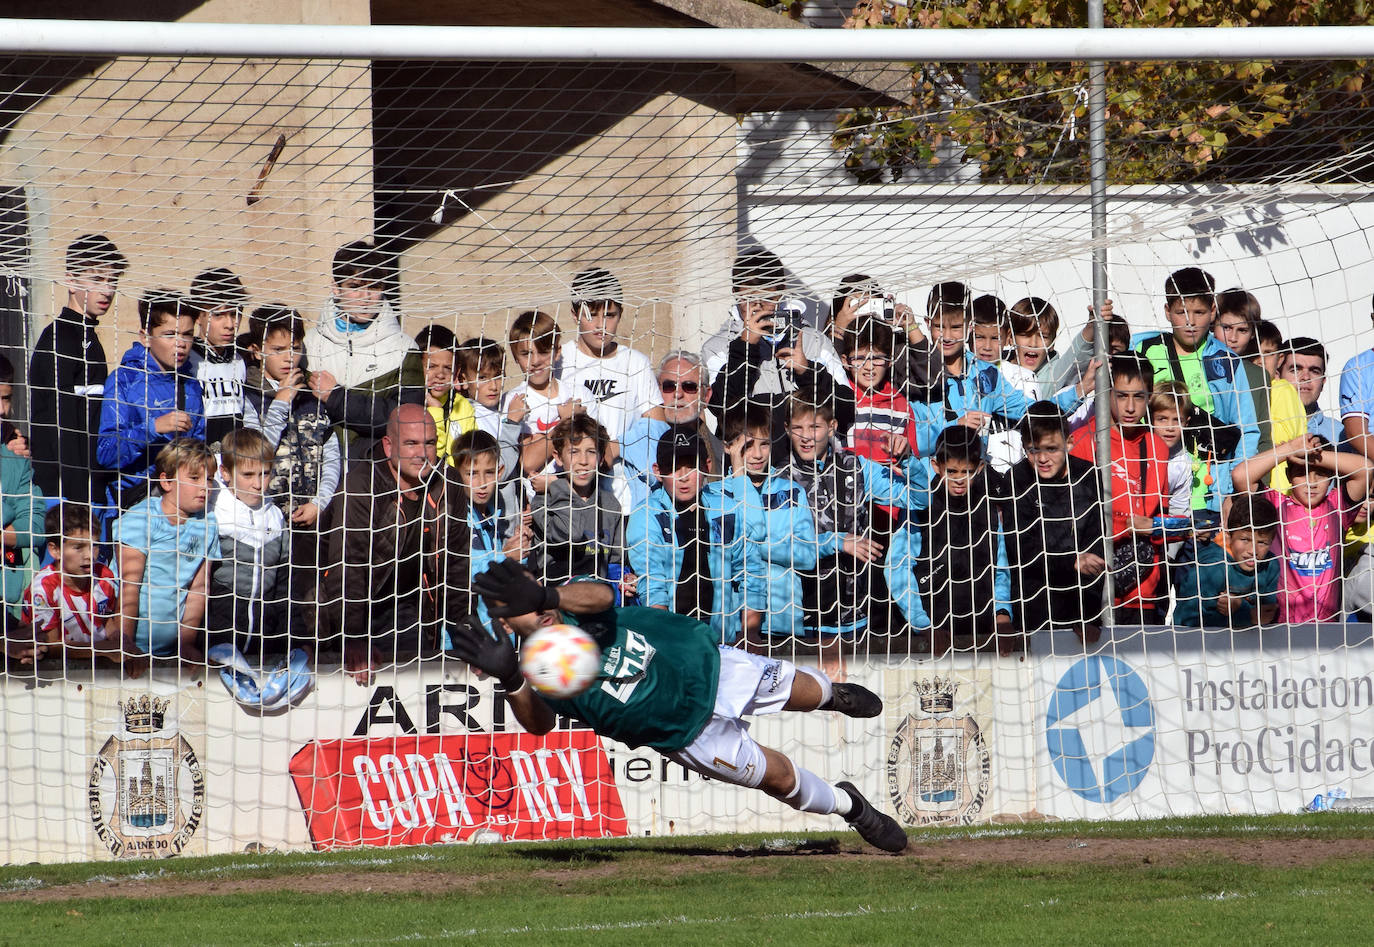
(884,429)
(74,596)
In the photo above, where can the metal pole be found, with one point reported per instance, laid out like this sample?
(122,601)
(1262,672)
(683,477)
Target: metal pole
(1097,158)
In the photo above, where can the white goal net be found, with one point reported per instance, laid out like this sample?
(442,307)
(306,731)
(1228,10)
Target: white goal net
(796,349)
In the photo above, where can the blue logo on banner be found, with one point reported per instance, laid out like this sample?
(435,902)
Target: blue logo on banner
(1100,728)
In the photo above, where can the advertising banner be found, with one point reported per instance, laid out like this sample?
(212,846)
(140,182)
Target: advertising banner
(1145,723)
(484,787)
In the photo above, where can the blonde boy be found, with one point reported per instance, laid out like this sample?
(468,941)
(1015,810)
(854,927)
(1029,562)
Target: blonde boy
(163,548)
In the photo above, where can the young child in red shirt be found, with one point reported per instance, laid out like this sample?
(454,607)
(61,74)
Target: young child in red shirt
(73,597)
(1140,478)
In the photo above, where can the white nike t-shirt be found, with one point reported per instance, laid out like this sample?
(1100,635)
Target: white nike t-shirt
(542,416)
(615,390)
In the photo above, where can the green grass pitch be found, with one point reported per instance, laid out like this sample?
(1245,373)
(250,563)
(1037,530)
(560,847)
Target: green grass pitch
(1271,880)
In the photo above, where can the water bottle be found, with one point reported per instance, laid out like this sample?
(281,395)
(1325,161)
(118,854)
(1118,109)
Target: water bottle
(1332,799)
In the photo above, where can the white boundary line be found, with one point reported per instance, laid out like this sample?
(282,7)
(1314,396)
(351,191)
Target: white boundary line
(680,920)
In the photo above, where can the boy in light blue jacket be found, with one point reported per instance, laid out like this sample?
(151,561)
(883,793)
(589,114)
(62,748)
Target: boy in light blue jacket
(496,533)
(780,530)
(686,540)
(973,392)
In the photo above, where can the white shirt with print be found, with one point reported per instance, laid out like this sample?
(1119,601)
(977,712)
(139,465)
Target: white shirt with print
(615,390)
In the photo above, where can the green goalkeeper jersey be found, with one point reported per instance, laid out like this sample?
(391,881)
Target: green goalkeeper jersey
(657,686)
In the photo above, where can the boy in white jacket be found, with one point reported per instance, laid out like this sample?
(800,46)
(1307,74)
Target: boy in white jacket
(362,365)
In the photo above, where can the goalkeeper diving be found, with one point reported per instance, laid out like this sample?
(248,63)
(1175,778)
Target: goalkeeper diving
(665,683)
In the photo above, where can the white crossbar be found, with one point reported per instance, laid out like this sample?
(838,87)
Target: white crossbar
(112,38)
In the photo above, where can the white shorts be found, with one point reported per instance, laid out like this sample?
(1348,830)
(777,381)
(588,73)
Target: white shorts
(749,684)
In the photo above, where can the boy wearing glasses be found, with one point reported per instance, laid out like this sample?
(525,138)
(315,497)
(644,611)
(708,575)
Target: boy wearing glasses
(1052,521)
(884,429)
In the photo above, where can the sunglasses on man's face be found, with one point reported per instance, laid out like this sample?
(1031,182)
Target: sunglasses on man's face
(688,387)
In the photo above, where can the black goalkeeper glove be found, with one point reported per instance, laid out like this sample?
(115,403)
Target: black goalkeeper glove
(509,590)
(493,655)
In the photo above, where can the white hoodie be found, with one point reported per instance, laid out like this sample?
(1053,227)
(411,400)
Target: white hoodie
(355,358)
(252,541)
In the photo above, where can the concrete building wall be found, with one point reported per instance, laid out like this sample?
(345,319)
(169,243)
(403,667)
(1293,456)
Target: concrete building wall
(645,199)
(161,155)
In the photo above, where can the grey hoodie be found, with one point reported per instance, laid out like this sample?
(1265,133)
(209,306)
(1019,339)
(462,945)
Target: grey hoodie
(576,535)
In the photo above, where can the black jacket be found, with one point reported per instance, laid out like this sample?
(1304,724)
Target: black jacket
(956,571)
(1047,524)
(388,558)
(67,374)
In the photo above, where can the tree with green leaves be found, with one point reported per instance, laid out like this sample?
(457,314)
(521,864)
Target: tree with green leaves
(1166,121)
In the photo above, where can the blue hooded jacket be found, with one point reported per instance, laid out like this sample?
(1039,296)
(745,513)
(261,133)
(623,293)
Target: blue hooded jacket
(138,393)
(488,538)
(781,540)
(654,554)
(981,388)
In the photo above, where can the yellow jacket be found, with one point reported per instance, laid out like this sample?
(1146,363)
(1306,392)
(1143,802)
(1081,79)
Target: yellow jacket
(1287,420)
(451,420)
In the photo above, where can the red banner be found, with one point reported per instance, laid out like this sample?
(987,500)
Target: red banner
(415,790)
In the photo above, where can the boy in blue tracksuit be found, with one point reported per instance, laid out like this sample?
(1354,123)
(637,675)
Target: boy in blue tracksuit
(151,399)
(842,487)
(495,535)
(686,540)
(948,568)
(780,532)
(974,392)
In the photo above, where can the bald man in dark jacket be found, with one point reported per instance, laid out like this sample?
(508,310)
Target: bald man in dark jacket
(396,544)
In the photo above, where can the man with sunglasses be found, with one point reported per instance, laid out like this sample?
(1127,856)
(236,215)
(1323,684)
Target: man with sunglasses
(682,383)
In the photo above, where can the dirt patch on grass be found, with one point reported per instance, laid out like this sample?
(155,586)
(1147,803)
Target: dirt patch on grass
(676,861)
(340,882)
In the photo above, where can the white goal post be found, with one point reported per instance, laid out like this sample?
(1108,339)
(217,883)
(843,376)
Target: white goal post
(111,37)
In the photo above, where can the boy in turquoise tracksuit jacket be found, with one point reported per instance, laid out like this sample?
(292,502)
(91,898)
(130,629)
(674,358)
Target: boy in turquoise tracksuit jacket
(686,540)
(476,458)
(841,489)
(982,389)
(780,529)
(1235,582)
(23,509)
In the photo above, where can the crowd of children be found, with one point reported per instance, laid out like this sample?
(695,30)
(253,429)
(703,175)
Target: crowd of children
(242,486)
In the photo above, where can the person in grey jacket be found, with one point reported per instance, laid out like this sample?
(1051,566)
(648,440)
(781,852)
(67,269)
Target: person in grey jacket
(577,523)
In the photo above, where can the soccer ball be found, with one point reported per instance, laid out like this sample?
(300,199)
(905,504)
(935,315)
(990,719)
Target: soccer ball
(560,661)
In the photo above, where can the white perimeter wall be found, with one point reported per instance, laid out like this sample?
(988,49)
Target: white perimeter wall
(1147,724)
